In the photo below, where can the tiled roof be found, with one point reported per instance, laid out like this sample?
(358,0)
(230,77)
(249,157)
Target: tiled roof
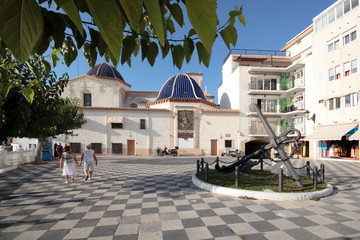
(181,86)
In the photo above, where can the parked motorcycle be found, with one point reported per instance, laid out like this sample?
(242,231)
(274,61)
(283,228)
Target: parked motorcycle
(167,151)
(230,152)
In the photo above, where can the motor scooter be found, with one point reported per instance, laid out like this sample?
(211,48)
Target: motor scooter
(167,151)
(230,152)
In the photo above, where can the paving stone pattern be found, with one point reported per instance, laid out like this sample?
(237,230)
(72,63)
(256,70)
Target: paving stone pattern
(135,198)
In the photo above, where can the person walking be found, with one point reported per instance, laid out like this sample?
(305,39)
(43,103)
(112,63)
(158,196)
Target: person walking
(55,151)
(67,163)
(59,150)
(89,157)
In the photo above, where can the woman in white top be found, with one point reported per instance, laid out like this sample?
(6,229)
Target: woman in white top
(67,163)
(90,159)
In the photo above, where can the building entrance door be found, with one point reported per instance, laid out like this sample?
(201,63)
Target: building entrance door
(213,147)
(130,147)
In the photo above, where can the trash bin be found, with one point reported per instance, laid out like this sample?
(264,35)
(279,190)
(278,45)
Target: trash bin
(158,151)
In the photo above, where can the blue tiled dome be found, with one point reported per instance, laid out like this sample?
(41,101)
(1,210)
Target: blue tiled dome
(181,86)
(105,70)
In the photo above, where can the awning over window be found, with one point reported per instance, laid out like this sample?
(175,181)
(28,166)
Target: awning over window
(355,136)
(332,132)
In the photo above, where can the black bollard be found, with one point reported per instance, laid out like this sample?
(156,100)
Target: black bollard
(237,173)
(261,163)
(217,160)
(197,167)
(307,168)
(207,172)
(281,182)
(322,167)
(315,177)
(202,164)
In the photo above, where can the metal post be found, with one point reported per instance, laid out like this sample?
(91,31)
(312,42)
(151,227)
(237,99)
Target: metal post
(202,164)
(217,160)
(237,173)
(315,177)
(322,167)
(308,169)
(207,172)
(279,148)
(281,182)
(261,163)
(197,167)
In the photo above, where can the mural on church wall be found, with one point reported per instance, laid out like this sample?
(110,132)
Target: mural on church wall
(185,124)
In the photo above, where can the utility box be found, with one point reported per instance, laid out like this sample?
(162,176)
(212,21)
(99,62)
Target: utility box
(47,150)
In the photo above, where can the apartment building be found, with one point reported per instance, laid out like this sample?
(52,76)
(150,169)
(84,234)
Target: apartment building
(336,55)
(312,85)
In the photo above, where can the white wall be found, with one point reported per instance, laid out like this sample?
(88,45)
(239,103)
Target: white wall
(228,92)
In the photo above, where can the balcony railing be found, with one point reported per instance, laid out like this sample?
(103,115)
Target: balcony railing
(256,52)
(256,130)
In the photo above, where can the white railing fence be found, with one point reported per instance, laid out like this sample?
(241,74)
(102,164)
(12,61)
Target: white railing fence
(10,160)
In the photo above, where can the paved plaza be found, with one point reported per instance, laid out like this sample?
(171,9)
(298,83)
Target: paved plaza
(154,198)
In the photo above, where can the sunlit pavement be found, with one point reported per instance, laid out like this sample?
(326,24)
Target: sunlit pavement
(154,198)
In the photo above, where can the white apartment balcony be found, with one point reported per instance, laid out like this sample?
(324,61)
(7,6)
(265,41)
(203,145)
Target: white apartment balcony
(259,131)
(275,111)
(269,88)
(256,131)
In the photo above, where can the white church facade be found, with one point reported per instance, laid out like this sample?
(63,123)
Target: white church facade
(124,122)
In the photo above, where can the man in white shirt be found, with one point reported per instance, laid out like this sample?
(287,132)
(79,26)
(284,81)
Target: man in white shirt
(90,158)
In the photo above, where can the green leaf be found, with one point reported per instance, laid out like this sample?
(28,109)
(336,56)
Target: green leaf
(6,89)
(43,45)
(204,56)
(128,48)
(95,36)
(28,93)
(156,18)
(102,47)
(108,19)
(188,49)
(128,61)
(34,70)
(69,51)
(170,26)
(21,26)
(59,27)
(177,13)
(229,35)
(177,55)
(242,20)
(191,33)
(234,13)
(153,51)
(133,10)
(72,11)
(46,66)
(137,47)
(90,54)
(7,64)
(202,15)
(165,49)
(144,49)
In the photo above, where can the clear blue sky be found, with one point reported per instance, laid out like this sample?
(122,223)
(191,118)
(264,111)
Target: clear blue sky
(269,25)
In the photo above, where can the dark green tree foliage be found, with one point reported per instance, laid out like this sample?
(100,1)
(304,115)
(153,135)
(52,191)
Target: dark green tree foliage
(48,114)
(116,29)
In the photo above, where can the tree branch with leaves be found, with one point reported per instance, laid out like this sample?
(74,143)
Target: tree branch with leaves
(115,29)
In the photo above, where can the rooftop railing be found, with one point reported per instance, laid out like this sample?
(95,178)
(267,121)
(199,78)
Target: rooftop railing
(257,52)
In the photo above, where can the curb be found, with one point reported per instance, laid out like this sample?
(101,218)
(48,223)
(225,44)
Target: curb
(267,195)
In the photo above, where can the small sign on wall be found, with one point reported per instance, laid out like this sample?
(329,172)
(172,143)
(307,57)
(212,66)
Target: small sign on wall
(227,135)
